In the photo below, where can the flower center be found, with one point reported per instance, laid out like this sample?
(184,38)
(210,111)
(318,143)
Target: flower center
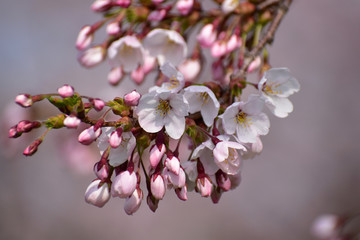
(243,119)
(174,83)
(233,155)
(203,97)
(271,88)
(163,108)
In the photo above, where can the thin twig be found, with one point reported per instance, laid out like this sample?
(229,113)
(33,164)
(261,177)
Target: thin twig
(267,38)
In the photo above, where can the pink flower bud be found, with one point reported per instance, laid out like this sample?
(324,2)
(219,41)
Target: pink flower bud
(24,100)
(207,35)
(133,202)
(233,43)
(113,28)
(157,186)
(97,195)
(89,135)
(156,154)
(254,65)
(66,91)
(13,133)
(152,203)
(173,164)
(157,15)
(115,76)
(326,226)
(115,138)
(190,69)
(204,186)
(184,6)
(223,181)
(71,122)
(101,5)
(101,170)
(24,126)
(122,3)
(138,75)
(218,49)
(132,99)
(92,56)
(182,193)
(98,104)
(84,38)
(124,184)
(32,148)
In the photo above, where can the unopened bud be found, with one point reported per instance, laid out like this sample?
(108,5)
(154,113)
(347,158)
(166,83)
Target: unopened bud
(254,65)
(84,38)
(173,164)
(115,76)
(66,91)
(92,56)
(115,138)
(113,28)
(32,148)
(97,195)
(223,181)
(133,202)
(152,203)
(157,186)
(24,100)
(98,104)
(182,193)
(132,99)
(204,186)
(89,135)
(156,154)
(157,15)
(71,122)
(207,35)
(184,6)
(101,170)
(216,195)
(122,3)
(138,75)
(124,184)
(13,133)
(326,226)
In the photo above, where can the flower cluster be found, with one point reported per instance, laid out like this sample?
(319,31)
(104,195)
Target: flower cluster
(181,135)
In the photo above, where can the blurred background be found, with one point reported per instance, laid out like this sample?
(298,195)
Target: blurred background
(310,164)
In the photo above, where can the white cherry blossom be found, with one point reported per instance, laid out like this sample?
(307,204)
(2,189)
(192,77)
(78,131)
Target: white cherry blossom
(166,45)
(276,86)
(204,100)
(246,119)
(126,52)
(164,109)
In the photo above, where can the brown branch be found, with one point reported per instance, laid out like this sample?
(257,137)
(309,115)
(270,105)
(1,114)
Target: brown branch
(267,38)
(266,4)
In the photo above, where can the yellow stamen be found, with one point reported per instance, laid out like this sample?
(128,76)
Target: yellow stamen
(203,97)
(243,119)
(163,108)
(271,88)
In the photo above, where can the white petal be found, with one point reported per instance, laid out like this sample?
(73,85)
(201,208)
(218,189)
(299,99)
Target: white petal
(193,98)
(174,125)
(280,107)
(228,118)
(246,134)
(221,151)
(209,112)
(260,124)
(179,105)
(282,76)
(254,104)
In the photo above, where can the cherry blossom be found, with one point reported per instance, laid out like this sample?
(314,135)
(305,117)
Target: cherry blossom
(166,45)
(276,86)
(126,52)
(246,119)
(156,110)
(204,100)
(97,193)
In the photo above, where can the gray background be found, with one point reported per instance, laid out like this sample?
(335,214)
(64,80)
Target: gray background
(310,163)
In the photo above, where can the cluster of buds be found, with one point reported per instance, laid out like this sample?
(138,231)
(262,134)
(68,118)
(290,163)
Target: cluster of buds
(336,227)
(180,135)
